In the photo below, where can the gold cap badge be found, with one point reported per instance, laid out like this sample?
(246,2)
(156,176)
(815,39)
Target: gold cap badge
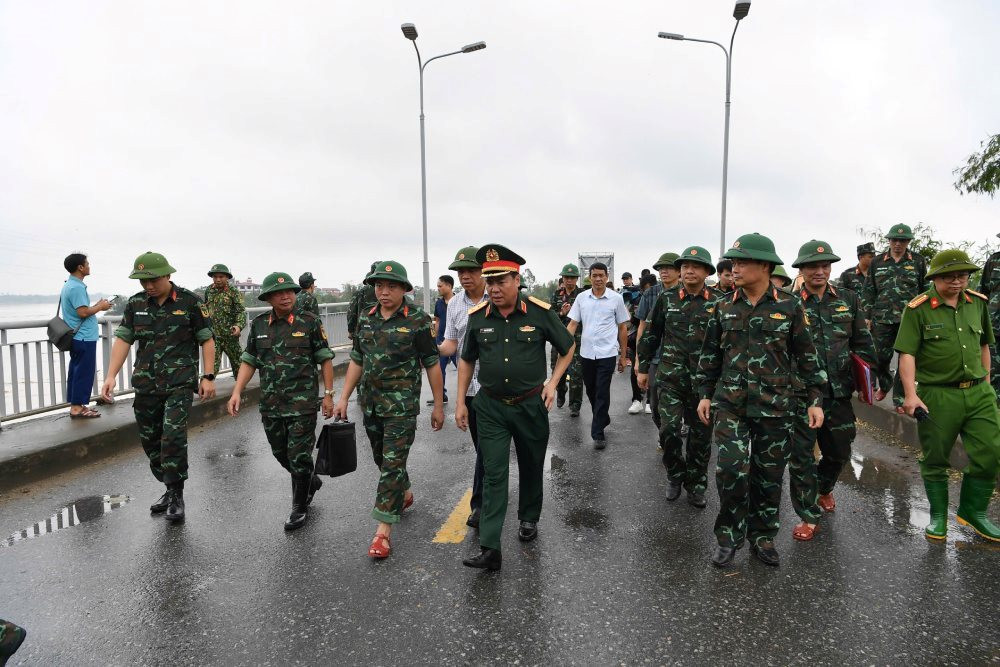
(492,255)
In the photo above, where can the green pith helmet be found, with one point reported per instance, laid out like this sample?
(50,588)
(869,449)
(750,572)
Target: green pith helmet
(220,268)
(586,281)
(900,231)
(697,254)
(465,259)
(150,265)
(814,251)
(306,279)
(666,259)
(389,270)
(277,282)
(950,261)
(570,271)
(753,246)
(780,273)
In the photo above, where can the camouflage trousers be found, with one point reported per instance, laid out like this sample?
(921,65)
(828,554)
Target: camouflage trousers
(884,336)
(391,438)
(807,479)
(163,421)
(292,440)
(11,637)
(572,378)
(679,404)
(230,345)
(749,473)
(653,394)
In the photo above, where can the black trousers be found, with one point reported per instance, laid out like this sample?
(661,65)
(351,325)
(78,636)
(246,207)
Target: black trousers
(477,478)
(597,381)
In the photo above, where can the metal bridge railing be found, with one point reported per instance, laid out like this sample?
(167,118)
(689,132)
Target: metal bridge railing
(33,371)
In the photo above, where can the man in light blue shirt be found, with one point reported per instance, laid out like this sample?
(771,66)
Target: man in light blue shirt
(603,345)
(76,311)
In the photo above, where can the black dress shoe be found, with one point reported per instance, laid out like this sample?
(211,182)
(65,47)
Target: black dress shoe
(697,498)
(574,412)
(560,400)
(175,508)
(765,553)
(723,556)
(600,442)
(489,559)
(527,531)
(473,519)
(160,505)
(673,490)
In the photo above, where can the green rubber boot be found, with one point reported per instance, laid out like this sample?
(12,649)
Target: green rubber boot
(975,498)
(937,496)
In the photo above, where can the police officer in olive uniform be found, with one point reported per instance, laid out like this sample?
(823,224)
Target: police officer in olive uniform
(169,323)
(989,285)
(229,316)
(894,278)
(944,363)
(507,336)
(561,301)
(854,277)
(305,300)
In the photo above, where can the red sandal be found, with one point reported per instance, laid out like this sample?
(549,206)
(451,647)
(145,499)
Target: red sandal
(826,502)
(804,532)
(408,502)
(380,547)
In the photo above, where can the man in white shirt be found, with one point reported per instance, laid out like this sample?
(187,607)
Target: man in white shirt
(605,319)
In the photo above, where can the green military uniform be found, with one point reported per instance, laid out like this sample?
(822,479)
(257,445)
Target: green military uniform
(946,343)
(225,307)
(11,638)
(989,285)
(305,301)
(786,281)
(362,301)
(511,354)
(675,328)
(573,379)
(165,375)
(853,279)
(746,369)
(646,303)
(838,328)
(391,353)
(887,289)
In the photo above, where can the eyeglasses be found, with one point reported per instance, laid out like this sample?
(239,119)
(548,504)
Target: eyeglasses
(954,277)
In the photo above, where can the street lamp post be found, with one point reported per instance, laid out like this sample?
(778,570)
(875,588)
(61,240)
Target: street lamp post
(410,32)
(739,13)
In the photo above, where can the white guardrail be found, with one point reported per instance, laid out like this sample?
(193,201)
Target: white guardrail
(34,371)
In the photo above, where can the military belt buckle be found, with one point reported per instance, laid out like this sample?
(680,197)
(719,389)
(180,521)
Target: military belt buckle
(965,385)
(509,400)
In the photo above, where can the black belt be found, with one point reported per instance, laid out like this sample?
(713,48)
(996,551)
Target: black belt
(513,400)
(964,384)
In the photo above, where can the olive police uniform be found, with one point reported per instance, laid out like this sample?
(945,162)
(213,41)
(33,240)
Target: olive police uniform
(512,369)
(946,343)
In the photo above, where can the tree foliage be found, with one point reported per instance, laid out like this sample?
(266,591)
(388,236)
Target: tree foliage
(981,173)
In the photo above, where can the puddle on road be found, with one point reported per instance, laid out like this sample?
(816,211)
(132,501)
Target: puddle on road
(236,454)
(584,517)
(77,512)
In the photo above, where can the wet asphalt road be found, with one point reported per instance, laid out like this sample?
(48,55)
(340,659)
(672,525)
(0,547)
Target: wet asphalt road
(618,574)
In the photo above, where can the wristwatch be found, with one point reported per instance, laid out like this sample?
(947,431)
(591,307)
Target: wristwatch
(208,376)
(329,392)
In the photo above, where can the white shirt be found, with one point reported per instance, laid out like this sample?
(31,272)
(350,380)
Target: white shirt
(599,318)
(457,322)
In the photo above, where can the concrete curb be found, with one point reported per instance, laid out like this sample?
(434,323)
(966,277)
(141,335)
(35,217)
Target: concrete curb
(43,447)
(884,417)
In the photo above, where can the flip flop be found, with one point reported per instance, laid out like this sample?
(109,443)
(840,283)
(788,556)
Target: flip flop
(85,414)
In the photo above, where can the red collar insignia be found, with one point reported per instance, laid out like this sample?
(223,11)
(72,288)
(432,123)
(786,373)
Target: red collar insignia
(934,302)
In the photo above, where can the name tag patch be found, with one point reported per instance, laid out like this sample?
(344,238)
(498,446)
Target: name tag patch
(487,329)
(931,327)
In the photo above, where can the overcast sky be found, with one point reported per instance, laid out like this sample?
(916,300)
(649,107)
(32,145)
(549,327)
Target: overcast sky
(284,136)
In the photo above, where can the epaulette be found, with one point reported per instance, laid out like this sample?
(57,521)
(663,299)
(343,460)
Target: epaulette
(917,301)
(980,295)
(479,306)
(540,303)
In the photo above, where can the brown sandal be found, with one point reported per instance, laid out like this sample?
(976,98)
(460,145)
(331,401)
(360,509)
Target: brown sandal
(804,532)
(380,547)
(86,413)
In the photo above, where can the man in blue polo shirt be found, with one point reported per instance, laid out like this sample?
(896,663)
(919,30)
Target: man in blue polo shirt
(76,311)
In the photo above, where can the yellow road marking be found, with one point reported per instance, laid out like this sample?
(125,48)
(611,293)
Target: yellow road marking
(454,530)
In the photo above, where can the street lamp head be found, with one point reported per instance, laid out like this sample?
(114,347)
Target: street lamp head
(409,31)
(670,35)
(741,10)
(478,46)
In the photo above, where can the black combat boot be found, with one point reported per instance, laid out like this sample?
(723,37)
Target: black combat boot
(314,485)
(489,559)
(300,506)
(175,506)
(161,505)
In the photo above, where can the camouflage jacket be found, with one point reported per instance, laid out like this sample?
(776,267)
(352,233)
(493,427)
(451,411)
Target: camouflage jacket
(562,296)
(391,354)
(891,285)
(751,352)
(362,301)
(168,336)
(286,351)
(305,302)
(852,279)
(676,327)
(838,327)
(226,309)
(989,285)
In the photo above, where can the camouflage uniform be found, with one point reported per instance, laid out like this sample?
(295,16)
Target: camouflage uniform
(676,327)
(11,637)
(746,369)
(889,287)
(391,353)
(990,286)
(852,279)
(286,351)
(165,375)
(305,302)
(225,307)
(362,301)
(574,374)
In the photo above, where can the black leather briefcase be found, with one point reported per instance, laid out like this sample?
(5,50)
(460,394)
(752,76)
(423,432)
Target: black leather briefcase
(338,454)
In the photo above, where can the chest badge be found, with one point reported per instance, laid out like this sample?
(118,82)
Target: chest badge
(403,330)
(909,267)
(842,309)
(298,334)
(778,316)
(710,309)
(180,312)
(527,328)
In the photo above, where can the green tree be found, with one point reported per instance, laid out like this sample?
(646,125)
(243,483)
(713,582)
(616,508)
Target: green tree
(981,173)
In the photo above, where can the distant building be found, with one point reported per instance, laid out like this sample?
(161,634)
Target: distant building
(247,286)
(334,292)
